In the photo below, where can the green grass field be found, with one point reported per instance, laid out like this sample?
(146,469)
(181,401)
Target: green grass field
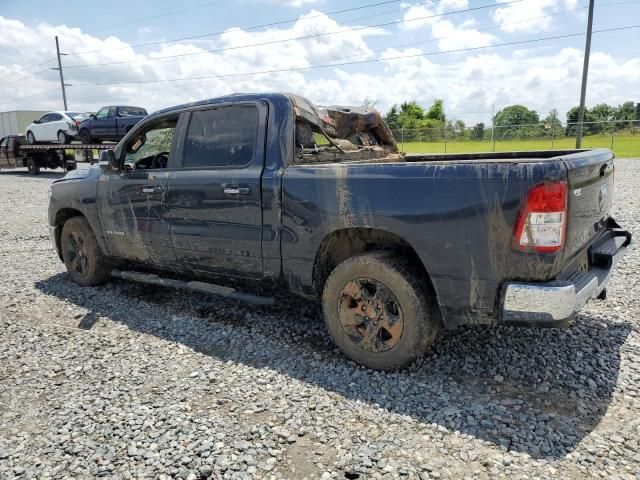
(623,145)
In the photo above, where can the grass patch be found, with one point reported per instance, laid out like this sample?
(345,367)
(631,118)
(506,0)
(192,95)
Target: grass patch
(623,145)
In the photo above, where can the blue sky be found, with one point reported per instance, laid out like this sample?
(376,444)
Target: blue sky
(544,75)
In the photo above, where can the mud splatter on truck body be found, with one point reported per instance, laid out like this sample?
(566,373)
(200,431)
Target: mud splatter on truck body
(331,184)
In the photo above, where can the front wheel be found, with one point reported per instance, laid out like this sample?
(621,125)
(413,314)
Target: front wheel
(379,311)
(85,262)
(31,139)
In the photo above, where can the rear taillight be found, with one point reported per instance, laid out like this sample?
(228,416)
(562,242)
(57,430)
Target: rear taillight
(542,221)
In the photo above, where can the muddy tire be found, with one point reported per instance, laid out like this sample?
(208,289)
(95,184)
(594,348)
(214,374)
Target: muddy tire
(85,262)
(33,166)
(379,311)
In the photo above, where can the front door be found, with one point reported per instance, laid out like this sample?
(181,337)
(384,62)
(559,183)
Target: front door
(104,123)
(215,195)
(131,202)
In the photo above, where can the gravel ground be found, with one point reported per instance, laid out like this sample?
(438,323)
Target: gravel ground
(130,381)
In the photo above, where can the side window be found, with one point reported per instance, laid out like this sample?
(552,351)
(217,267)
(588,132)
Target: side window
(103,112)
(150,147)
(3,143)
(45,118)
(54,117)
(222,137)
(112,111)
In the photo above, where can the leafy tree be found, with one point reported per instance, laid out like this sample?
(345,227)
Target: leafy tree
(552,123)
(436,111)
(392,118)
(517,121)
(625,114)
(478,131)
(601,112)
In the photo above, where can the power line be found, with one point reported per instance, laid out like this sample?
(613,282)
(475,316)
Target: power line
(24,69)
(436,39)
(271,42)
(254,27)
(358,62)
(26,76)
(29,96)
(166,14)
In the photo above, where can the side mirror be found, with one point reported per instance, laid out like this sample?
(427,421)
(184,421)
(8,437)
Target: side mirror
(107,157)
(36,121)
(92,116)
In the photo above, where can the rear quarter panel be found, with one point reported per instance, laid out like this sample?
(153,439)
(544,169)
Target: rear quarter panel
(458,217)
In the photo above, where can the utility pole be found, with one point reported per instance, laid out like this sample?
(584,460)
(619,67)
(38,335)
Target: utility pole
(62,84)
(585,73)
(493,126)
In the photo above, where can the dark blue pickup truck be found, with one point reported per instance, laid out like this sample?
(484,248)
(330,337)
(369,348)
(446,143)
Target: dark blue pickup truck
(267,189)
(110,123)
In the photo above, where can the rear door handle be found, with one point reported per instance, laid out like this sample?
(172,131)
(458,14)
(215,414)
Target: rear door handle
(156,189)
(237,190)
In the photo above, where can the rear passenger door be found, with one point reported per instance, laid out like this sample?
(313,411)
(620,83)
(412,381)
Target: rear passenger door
(214,195)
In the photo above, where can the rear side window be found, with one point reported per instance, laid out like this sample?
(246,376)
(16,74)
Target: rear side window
(224,137)
(131,111)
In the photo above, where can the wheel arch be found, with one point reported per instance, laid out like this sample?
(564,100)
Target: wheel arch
(60,219)
(343,244)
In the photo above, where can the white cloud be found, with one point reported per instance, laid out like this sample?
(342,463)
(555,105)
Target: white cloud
(451,5)
(469,84)
(449,35)
(514,17)
(296,3)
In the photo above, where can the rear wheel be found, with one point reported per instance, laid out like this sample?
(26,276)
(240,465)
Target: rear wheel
(85,262)
(378,311)
(85,137)
(31,138)
(63,138)
(33,166)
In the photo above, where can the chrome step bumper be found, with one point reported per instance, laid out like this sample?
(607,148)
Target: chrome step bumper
(555,303)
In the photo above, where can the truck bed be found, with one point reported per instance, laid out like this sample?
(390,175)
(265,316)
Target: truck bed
(484,157)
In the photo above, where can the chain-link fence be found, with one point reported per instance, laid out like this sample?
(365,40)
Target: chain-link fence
(623,137)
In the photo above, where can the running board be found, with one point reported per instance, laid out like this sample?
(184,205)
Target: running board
(194,285)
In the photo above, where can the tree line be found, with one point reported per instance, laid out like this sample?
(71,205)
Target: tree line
(515,121)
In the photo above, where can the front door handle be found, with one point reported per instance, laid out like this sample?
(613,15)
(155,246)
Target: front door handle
(237,190)
(156,189)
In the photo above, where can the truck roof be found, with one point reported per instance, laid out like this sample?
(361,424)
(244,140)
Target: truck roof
(232,96)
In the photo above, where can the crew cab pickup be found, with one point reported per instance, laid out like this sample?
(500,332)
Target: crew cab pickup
(110,123)
(268,188)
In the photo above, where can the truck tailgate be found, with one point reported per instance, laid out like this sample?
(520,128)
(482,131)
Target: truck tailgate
(590,178)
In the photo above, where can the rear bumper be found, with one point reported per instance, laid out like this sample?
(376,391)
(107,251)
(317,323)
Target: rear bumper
(554,304)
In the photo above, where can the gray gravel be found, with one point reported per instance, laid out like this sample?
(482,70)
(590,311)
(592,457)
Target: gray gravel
(128,381)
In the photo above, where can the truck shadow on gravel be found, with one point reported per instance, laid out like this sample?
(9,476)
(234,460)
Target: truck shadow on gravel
(24,173)
(537,392)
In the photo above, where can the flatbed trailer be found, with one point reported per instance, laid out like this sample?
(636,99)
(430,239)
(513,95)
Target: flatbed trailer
(16,153)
